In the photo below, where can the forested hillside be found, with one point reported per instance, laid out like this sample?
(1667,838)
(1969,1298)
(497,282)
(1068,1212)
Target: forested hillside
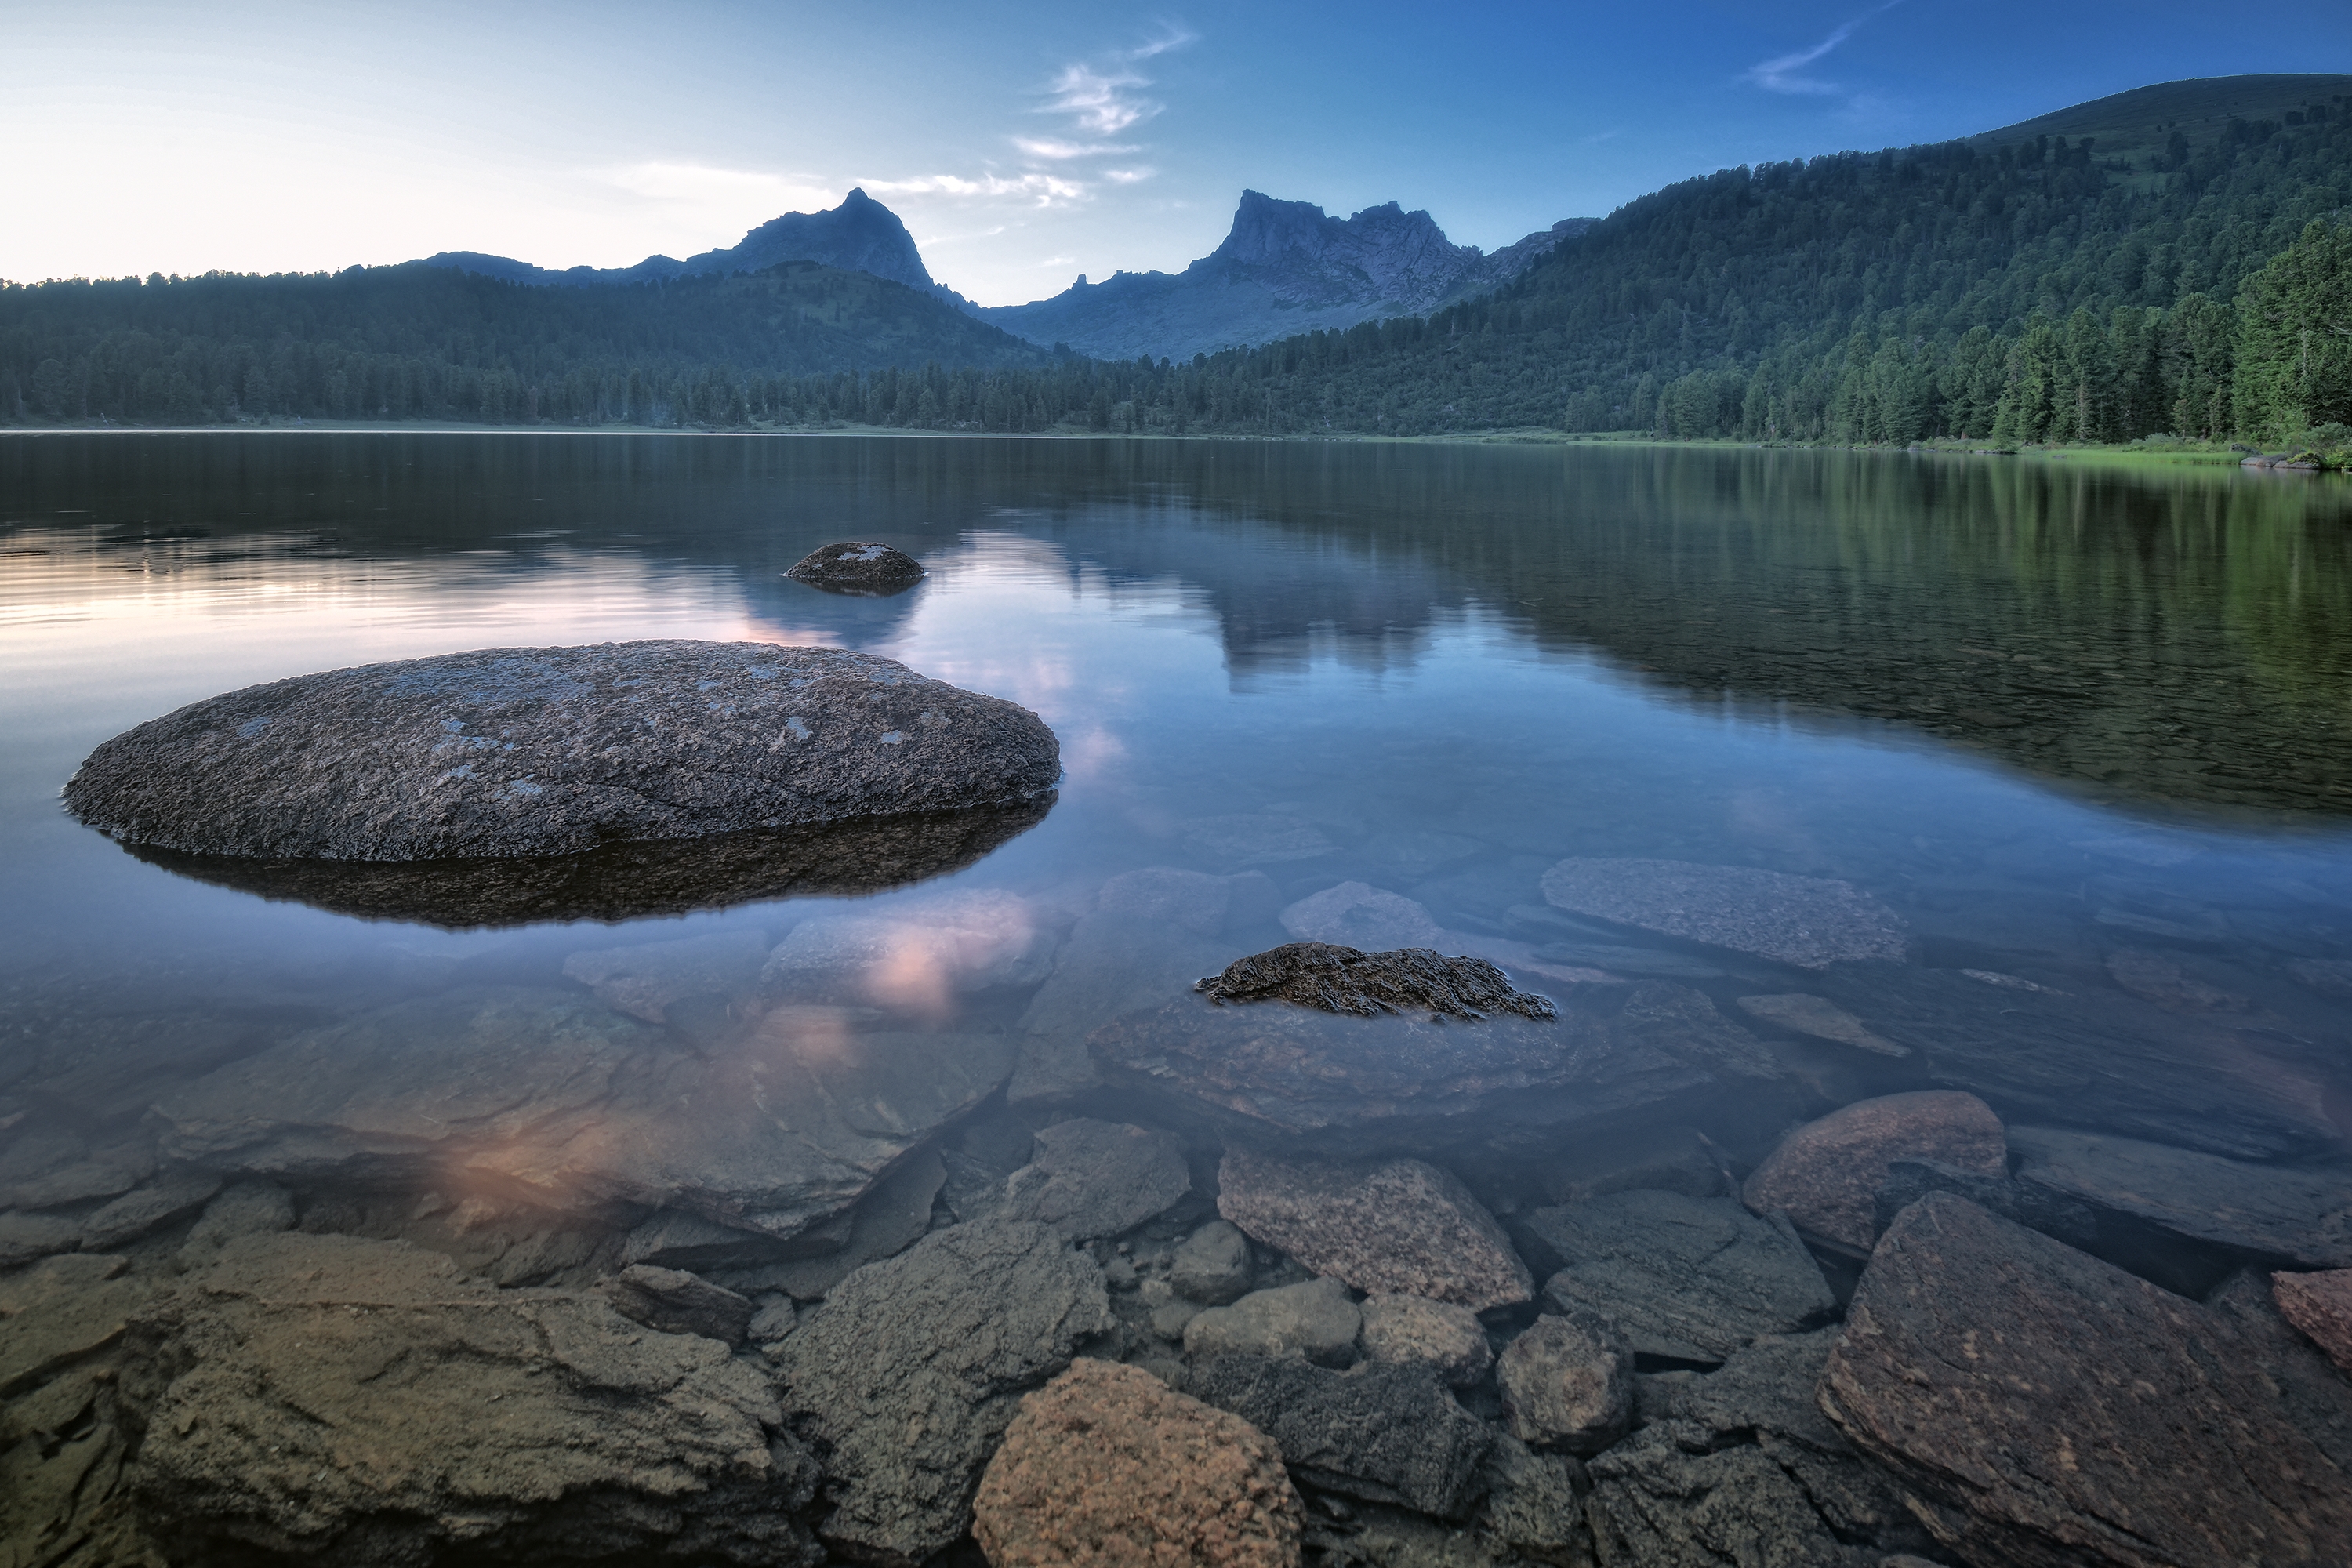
(2005,289)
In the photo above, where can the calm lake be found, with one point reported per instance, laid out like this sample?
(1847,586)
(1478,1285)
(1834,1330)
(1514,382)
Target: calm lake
(2086,732)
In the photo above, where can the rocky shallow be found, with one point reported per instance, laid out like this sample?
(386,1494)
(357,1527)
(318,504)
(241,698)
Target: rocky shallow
(960,1226)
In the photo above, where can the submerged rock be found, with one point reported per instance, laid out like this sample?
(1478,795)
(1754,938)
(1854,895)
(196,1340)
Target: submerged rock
(1566,1384)
(677,1302)
(1398,1226)
(513,1421)
(2283,1214)
(540,751)
(1808,1015)
(1669,1498)
(1382,1432)
(1693,1279)
(911,1371)
(1092,1179)
(2321,1306)
(1213,1265)
(1349,1083)
(647,979)
(1317,1318)
(1443,1334)
(1825,1175)
(914,957)
(1344,980)
(1808,922)
(1106,1466)
(2044,1407)
(855,566)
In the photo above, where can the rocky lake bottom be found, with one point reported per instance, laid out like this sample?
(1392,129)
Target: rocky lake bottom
(1929,1145)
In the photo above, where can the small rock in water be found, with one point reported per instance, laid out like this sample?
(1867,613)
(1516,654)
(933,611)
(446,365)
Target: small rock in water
(1106,1466)
(248,1208)
(1693,1278)
(1567,1384)
(541,752)
(1825,1175)
(1823,1019)
(2321,1306)
(855,566)
(1092,1179)
(1343,980)
(1358,915)
(1213,1265)
(1382,1432)
(1810,923)
(676,1302)
(1317,1319)
(1398,1226)
(1193,901)
(1416,1329)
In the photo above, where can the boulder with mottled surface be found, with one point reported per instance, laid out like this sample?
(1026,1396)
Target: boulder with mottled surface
(1810,923)
(1397,1227)
(1826,1174)
(1566,1384)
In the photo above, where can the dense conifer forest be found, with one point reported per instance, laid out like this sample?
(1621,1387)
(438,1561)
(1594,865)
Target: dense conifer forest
(2039,291)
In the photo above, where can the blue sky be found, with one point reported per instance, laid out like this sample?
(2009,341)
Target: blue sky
(1022,144)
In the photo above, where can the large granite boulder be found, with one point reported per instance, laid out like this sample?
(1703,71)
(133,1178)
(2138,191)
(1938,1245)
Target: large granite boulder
(1808,922)
(907,1376)
(1691,1278)
(1398,1226)
(1383,1432)
(1107,1467)
(2047,1410)
(2038,1055)
(855,566)
(2301,1217)
(1348,1084)
(327,1399)
(531,752)
(1826,1174)
(549,1097)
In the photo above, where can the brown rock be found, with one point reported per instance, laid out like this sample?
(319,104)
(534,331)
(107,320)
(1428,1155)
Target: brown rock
(2321,1306)
(1414,1327)
(2047,1410)
(1397,1228)
(855,566)
(1808,922)
(1567,1384)
(1826,1174)
(1108,1466)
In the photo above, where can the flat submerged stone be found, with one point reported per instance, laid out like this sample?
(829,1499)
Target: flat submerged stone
(558,751)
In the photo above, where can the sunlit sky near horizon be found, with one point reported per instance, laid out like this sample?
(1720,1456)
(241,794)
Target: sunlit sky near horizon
(1022,144)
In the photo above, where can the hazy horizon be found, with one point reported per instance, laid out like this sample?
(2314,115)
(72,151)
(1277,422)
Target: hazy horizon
(260,138)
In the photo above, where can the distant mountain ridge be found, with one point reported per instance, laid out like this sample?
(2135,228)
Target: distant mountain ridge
(1284,268)
(861,235)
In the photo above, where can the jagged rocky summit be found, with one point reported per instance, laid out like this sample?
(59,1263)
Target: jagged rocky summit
(1286,268)
(544,752)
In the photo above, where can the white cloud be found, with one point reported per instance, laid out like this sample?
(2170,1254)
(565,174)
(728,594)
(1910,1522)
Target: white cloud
(1780,74)
(1059,151)
(1128,176)
(1099,100)
(1038,189)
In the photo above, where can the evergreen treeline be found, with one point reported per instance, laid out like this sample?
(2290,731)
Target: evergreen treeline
(2026,294)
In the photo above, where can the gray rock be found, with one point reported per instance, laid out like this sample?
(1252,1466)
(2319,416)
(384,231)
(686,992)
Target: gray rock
(1532,1512)
(508,752)
(917,956)
(1171,1314)
(1414,980)
(1667,1498)
(25,1237)
(773,1323)
(1808,922)
(2042,1406)
(1358,915)
(137,1212)
(892,1216)
(1213,1265)
(551,1095)
(1398,1226)
(910,1371)
(1807,1015)
(1670,1159)
(1116,960)
(1615,1056)
(672,1238)
(1439,1333)
(1566,1384)
(58,1312)
(1826,1174)
(2036,1208)
(518,1422)
(1094,1179)
(248,1208)
(1693,1278)
(646,981)
(676,1302)
(2298,1216)
(855,566)
(1317,1319)
(2042,1055)
(1382,1432)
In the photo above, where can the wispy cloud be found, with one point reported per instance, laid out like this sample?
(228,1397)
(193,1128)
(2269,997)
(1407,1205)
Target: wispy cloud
(1103,96)
(1038,189)
(1061,152)
(1784,73)
(1128,176)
